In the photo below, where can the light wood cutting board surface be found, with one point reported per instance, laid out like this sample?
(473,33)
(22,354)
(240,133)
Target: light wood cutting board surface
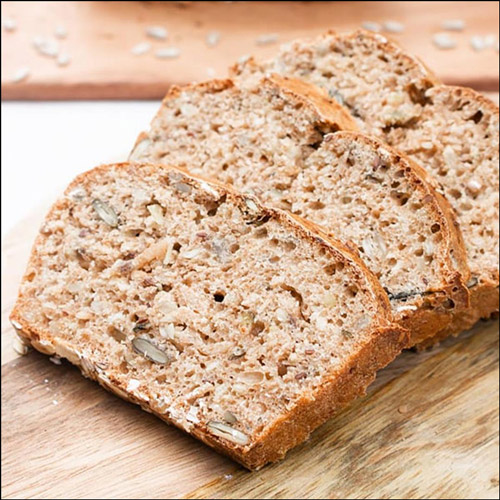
(101,35)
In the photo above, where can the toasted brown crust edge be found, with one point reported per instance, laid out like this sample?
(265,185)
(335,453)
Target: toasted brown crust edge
(483,299)
(385,343)
(425,322)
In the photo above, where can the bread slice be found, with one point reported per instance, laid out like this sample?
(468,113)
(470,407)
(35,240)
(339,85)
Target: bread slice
(236,323)
(453,133)
(274,140)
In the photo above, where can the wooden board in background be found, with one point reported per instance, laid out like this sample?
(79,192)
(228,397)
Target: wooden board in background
(428,428)
(101,34)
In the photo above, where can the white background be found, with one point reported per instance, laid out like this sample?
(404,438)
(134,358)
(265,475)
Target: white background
(46,144)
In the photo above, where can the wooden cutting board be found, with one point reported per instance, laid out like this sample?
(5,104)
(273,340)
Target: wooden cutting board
(428,428)
(101,35)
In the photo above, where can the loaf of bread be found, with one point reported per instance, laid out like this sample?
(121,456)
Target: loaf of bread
(453,133)
(241,325)
(278,140)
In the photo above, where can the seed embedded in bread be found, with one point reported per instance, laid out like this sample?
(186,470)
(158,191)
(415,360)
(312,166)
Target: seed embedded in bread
(451,131)
(183,351)
(279,140)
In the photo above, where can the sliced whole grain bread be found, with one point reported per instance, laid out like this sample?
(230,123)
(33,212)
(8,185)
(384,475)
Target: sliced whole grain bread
(239,324)
(453,132)
(277,140)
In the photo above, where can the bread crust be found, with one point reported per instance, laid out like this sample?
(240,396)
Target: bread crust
(484,296)
(386,340)
(433,312)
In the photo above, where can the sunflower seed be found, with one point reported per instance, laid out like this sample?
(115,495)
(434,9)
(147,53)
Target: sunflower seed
(167,331)
(443,41)
(157,32)
(38,41)
(453,25)
(140,48)
(227,432)
(20,346)
(168,53)
(212,38)
(472,282)
(267,39)
(55,359)
(371,26)
(477,43)
(63,59)
(156,212)
(393,27)
(21,74)
(9,24)
(61,32)
(251,204)
(47,47)
(182,187)
(229,418)
(237,353)
(105,212)
(133,384)
(150,351)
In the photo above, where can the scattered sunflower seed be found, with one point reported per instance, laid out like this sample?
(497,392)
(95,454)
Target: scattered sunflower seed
(371,26)
(489,41)
(453,25)
(477,43)
(267,39)
(140,48)
(168,53)
(105,212)
(212,38)
(227,432)
(46,47)
(9,24)
(393,27)
(150,351)
(443,41)
(55,402)
(38,41)
(61,32)
(63,60)
(55,359)
(157,32)
(21,74)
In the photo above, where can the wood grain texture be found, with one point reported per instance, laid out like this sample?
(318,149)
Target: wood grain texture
(431,433)
(101,35)
(64,437)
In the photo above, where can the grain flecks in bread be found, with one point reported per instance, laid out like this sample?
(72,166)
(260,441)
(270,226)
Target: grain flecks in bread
(280,141)
(452,131)
(236,323)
